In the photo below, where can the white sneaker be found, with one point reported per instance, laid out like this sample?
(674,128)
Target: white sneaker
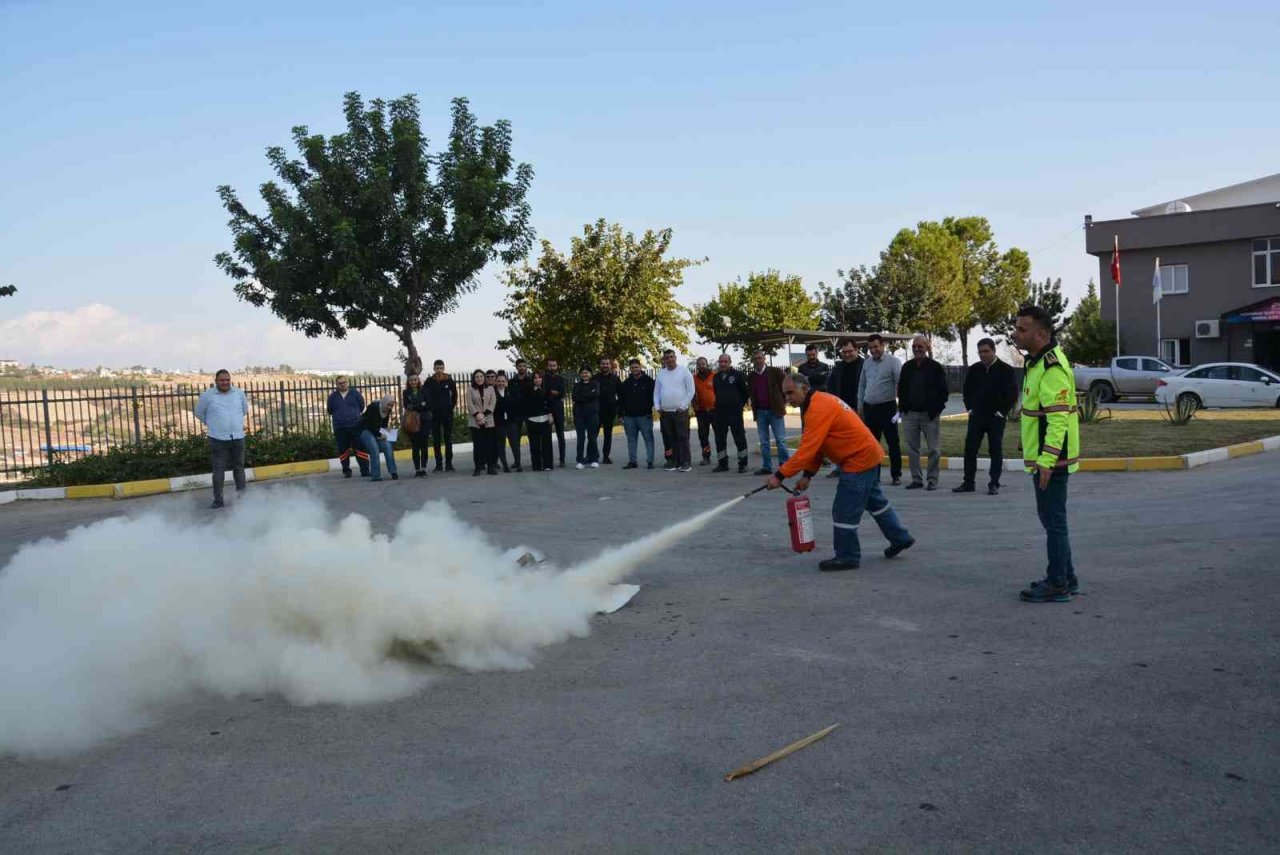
(595,465)
(579,466)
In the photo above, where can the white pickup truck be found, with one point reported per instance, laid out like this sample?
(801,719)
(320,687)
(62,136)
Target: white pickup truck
(1125,377)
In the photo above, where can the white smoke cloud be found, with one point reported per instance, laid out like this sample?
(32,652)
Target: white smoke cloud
(100,630)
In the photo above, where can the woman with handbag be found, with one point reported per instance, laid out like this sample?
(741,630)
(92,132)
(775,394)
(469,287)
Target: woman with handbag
(480,403)
(416,421)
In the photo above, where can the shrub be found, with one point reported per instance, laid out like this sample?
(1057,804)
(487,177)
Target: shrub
(1182,410)
(1091,411)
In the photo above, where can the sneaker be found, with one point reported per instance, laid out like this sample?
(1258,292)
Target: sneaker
(561,464)
(721,467)
(763,471)
(420,473)
(439,466)
(1073,584)
(379,478)
(897,481)
(669,467)
(607,462)
(650,464)
(595,465)
(217,503)
(517,468)
(395,476)
(686,468)
(963,488)
(477,473)
(931,488)
(632,465)
(364,474)
(896,548)
(833,564)
(742,467)
(993,489)
(579,466)
(1045,593)
(706,461)
(448,467)
(916,485)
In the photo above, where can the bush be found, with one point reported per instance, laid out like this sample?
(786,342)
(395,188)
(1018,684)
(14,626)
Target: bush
(169,456)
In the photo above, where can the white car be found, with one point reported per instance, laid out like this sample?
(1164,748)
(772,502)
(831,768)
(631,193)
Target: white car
(1222,384)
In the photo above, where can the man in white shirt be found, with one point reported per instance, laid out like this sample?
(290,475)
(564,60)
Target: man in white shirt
(672,394)
(222,409)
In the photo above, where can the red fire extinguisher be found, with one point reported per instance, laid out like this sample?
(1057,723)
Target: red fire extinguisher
(800,520)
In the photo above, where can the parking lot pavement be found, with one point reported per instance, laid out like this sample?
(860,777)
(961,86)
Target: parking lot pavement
(1141,716)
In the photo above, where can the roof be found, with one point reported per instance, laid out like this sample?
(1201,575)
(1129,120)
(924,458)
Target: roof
(789,336)
(1254,192)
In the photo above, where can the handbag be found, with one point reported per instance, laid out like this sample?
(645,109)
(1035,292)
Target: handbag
(410,422)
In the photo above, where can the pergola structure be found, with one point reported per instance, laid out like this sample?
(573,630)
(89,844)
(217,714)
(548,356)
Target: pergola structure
(773,338)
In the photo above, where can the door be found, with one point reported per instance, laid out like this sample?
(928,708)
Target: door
(1124,372)
(1152,370)
(1255,388)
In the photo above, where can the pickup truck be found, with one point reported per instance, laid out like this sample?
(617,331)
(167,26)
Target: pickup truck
(1125,377)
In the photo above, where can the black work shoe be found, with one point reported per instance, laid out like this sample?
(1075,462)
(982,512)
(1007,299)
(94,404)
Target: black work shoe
(606,462)
(517,468)
(1073,584)
(931,487)
(763,471)
(834,473)
(896,482)
(894,549)
(395,476)
(916,485)
(833,564)
(1045,593)
(964,488)
(650,465)
(993,489)
(706,461)
(217,503)
(346,473)
(721,467)
(477,473)
(742,467)
(448,467)
(632,465)
(561,464)
(439,466)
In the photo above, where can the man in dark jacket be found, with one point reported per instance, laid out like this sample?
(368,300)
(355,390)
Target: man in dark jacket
(732,394)
(609,382)
(346,406)
(553,382)
(635,398)
(814,369)
(990,390)
(922,396)
(770,410)
(442,392)
(519,390)
(843,383)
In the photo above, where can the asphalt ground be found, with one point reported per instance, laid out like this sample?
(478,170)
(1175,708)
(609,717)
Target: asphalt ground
(1139,717)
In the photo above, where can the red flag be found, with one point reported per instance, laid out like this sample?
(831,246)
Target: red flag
(1115,263)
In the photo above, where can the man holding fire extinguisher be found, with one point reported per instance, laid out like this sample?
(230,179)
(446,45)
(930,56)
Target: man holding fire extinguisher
(833,431)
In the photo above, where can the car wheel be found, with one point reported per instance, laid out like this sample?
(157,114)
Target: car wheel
(1190,399)
(1102,392)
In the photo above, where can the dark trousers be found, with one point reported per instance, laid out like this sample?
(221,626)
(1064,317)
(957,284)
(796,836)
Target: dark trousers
(484,448)
(586,422)
(509,434)
(540,445)
(704,433)
(1051,505)
(557,421)
(227,454)
(442,428)
(879,420)
(675,437)
(418,442)
(607,420)
(990,427)
(349,444)
(726,422)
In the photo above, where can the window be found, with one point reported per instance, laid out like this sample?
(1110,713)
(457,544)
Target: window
(1127,363)
(1175,351)
(1173,279)
(1266,262)
(1251,375)
(1212,372)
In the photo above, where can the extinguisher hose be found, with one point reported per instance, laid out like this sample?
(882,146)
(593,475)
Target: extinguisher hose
(758,489)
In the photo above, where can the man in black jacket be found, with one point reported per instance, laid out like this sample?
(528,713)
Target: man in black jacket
(990,390)
(553,382)
(843,383)
(732,394)
(519,390)
(635,397)
(814,369)
(442,393)
(609,382)
(922,396)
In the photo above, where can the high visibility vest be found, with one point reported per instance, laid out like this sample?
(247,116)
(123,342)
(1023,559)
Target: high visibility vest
(1050,419)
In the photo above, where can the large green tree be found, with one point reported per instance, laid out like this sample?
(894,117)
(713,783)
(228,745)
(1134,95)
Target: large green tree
(864,302)
(992,284)
(371,228)
(1047,295)
(768,301)
(611,295)
(924,268)
(1087,338)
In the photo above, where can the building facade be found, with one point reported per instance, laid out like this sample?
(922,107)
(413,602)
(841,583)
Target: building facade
(1219,256)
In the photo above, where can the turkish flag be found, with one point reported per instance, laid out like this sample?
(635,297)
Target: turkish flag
(1115,263)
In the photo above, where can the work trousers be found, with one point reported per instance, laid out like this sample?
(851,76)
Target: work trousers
(879,420)
(675,437)
(1051,506)
(726,422)
(637,428)
(442,429)
(991,428)
(349,444)
(227,454)
(917,424)
(857,492)
(705,420)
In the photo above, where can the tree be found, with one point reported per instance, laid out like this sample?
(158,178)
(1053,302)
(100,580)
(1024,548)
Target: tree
(1088,339)
(864,302)
(924,268)
(8,290)
(610,296)
(1047,295)
(376,230)
(769,301)
(992,284)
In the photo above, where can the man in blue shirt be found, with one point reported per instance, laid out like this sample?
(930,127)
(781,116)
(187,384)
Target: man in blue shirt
(223,409)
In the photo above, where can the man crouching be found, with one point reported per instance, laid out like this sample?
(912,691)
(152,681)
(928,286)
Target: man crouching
(834,431)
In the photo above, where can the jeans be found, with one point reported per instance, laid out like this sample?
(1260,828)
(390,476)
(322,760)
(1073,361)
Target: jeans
(856,492)
(638,427)
(586,423)
(766,420)
(349,443)
(1051,505)
(915,424)
(675,437)
(726,422)
(879,419)
(990,427)
(375,444)
(227,454)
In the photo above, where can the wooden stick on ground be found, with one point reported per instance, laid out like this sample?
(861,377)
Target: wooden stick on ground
(779,754)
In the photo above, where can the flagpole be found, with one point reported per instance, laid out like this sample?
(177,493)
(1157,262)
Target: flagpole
(1159,285)
(1116,280)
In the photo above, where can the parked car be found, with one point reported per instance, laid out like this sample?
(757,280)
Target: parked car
(1222,384)
(1125,377)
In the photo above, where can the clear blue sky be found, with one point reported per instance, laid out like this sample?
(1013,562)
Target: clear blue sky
(796,136)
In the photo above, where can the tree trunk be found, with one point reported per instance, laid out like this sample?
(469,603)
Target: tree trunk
(964,347)
(413,362)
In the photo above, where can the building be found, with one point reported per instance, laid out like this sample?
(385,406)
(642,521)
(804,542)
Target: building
(10,363)
(1219,254)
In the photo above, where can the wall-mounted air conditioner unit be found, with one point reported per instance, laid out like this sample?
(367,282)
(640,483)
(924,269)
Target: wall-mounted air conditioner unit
(1208,329)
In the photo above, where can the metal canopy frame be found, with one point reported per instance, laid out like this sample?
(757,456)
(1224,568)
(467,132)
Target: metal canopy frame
(790,337)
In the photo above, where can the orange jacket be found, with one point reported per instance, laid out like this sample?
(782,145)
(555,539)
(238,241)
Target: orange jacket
(833,431)
(704,392)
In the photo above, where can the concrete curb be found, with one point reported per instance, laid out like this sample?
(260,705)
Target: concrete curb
(134,489)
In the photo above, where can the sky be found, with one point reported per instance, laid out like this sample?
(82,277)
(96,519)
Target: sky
(794,136)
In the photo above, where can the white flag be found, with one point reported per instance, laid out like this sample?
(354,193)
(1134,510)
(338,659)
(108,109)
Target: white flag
(1156,286)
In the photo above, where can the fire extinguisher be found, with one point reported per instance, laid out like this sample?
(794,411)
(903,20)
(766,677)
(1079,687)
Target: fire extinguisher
(800,521)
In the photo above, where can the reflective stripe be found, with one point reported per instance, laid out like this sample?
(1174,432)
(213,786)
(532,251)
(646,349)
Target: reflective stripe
(1063,408)
(845,525)
(882,510)
(1049,449)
